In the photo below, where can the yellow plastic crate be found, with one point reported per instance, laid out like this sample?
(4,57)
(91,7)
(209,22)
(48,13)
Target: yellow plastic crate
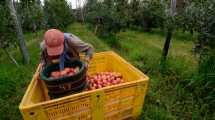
(118,102)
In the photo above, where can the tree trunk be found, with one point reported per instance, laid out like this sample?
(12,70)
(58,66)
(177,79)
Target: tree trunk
(81,11)
(22,45)
(11,57)
(82,15)
(167,43)
(173,7)
(95,30)
(169,30)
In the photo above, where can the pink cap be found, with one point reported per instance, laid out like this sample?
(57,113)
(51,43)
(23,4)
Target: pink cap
(54,41)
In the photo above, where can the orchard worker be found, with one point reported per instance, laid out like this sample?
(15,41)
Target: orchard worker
(60,47)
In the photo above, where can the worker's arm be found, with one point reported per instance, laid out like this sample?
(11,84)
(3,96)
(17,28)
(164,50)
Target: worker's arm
(81,46)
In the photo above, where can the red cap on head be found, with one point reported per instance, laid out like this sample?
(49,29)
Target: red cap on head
(54,41)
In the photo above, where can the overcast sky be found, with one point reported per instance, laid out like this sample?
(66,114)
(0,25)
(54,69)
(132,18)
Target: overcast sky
(73,2)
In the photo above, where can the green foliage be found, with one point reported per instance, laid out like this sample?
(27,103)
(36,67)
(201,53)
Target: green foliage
(199,16)
(168,96)
(122,10)
(109,16)
(14,80)
(114,15)
(151,14)
(205,84)
(31,14)
(57,14)
(203,15)
(7,30)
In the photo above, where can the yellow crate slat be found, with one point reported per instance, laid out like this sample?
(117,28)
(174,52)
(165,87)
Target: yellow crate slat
(139,99)
(97,105)
(116,102)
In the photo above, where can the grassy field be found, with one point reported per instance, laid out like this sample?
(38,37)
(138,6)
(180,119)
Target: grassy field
(167,98)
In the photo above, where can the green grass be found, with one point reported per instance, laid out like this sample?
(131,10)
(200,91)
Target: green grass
(14,80)
(167,98)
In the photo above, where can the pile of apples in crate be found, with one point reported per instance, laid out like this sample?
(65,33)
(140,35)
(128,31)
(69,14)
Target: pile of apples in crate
(103,79)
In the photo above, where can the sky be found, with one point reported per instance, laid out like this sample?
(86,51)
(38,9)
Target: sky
(72,2)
